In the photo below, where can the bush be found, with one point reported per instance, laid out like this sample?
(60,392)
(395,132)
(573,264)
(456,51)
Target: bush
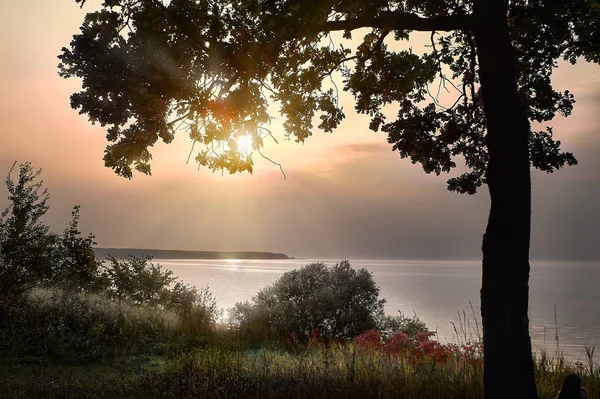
(143,282)
(139,280)
(78,269)
(411,326)
(340,301)
(250,321)
(197,307)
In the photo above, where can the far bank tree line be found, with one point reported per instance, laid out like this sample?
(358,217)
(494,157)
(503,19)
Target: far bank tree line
(336,302)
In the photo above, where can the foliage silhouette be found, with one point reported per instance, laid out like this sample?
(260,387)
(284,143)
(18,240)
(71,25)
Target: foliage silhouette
(78,269)
(27,247)
(138,280)
(212,67)
(142,282)
(30,254)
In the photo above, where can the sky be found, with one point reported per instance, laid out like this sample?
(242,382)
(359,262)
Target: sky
(346,195)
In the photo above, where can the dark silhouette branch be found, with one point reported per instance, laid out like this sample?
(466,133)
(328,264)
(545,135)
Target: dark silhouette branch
(443,79)
(396,20)
(276,163)
(269,133)
(181,118)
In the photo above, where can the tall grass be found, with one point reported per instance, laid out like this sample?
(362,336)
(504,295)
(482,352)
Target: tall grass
(53,323)
(323,371)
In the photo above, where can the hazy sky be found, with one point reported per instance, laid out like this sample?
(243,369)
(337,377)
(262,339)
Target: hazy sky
(346,194)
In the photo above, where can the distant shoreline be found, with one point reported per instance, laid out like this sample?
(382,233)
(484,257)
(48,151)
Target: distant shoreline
(103,253)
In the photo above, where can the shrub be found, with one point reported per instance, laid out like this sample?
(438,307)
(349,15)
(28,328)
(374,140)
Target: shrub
(143,282)
(139,280)
(197,307)
(341,301)
(78,269)
(368,340)
(398,342)
(411,326)
(250,321)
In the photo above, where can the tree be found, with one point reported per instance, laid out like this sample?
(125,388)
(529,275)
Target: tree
(340,301)
(78,269)
(27,247)
(149,67)
(138,279)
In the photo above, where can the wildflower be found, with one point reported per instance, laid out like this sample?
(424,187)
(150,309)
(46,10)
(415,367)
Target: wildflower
(397,342)
(370,339)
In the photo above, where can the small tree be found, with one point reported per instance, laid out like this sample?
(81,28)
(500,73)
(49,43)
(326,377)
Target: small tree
(78,268)
(341,301)
(138,279)
(27,247)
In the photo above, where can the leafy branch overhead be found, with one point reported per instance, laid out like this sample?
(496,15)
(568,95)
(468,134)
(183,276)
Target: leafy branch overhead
(151,68)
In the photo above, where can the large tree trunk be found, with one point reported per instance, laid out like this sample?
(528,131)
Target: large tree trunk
(508,363)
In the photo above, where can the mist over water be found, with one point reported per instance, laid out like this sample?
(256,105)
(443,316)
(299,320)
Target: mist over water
(436,291)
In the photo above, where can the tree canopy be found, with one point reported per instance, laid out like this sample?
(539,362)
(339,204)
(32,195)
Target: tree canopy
(151,68)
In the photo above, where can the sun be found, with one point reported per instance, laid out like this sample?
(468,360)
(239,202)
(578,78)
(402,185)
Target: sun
(245,144)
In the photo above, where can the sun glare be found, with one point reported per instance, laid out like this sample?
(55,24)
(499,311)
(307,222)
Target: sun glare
(245,144)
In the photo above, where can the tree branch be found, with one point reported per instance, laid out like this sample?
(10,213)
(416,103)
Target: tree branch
(270,160)
(395,20)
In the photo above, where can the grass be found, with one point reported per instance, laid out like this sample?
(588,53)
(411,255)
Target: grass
(49,324)
(54,345)
(337,371)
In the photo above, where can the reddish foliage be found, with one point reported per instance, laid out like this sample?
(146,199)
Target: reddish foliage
(420,348)
(424,336)
(315,334)
(370,339)
(314,337)
(397,342)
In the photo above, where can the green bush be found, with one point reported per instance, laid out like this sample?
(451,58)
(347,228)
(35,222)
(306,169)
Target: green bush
(250,322)
(197,307)
(410,326)
(137,279)
(142,282)
(339,301)
(77,267)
